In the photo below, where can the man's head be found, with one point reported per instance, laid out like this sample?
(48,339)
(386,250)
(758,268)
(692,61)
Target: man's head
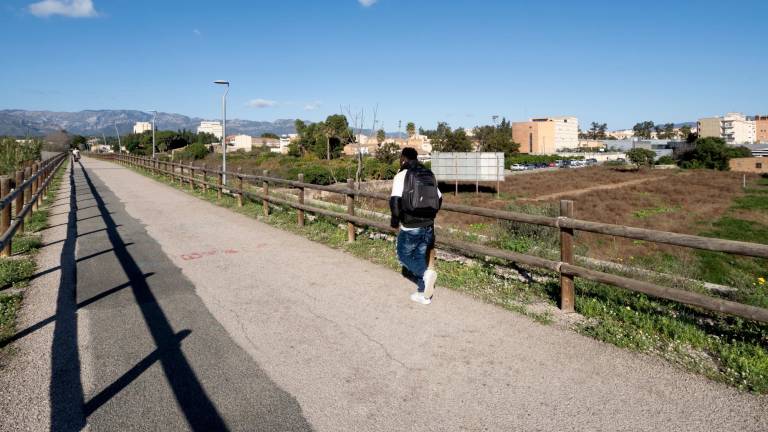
(408,154)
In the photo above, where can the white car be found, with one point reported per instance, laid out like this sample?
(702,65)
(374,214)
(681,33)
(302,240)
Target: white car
(517,167)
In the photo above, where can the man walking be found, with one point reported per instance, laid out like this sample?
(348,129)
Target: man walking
(414,202)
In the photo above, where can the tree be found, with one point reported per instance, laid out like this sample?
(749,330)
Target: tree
(644,129)
(410,129)
(597,131)
(388,152)
(669,131)
(269,135)
(712,153)
(381,136)
(685,130)
(324,139)
(641,157)
(496,138)
(79,141)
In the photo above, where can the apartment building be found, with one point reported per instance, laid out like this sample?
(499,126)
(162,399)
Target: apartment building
(211,127)
(141,127)
(734,128)
(546,135)
(761,129)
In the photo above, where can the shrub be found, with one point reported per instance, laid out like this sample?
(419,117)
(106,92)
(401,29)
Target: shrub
(665,160)
(376,170)
(14,270)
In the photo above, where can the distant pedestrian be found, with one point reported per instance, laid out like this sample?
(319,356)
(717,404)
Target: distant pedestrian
(414,202)
(76,154)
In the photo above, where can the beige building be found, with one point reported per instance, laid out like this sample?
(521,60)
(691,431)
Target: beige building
(212,127)
(546,135)
(734,128)
(141,127)
(751,165)
(761,129)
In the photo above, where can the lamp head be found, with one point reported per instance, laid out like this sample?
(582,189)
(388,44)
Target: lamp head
(221,82)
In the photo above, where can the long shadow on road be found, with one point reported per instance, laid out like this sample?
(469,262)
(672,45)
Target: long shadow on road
(132,342)
(190,395)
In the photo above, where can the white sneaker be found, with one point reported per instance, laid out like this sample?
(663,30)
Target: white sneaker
(430,277)
(419,298)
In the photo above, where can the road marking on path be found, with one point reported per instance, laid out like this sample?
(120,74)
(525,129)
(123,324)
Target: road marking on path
(213,252)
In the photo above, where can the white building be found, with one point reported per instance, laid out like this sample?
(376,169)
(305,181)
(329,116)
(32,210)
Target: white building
(734,128)
(566,132)
(239,142)
(211,127)
(141,127)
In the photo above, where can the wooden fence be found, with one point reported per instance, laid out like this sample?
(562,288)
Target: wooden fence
(23,194)
(211,179)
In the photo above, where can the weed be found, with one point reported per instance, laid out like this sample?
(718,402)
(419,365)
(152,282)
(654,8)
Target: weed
(26,243)
(9,305)
(645,213)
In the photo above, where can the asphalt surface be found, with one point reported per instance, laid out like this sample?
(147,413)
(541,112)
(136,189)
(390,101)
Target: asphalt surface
(174,314)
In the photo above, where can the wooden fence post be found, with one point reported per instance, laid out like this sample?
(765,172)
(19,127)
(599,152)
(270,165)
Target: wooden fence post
(219,183)
(191,176)
(300,213)
(350,211)
(265,187)
(240,187)
(35,186)
(28,190)
(5,215)
(567,291)
(19,198)
(205,179)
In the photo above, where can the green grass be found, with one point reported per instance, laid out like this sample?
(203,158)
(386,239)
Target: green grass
(752,201)
(726,349)
(646,213)
(9,306)
(26,243)
(16,271)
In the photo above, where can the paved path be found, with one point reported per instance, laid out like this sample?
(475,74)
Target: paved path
(175,314)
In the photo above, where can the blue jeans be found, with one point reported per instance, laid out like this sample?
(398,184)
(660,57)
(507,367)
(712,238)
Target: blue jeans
(412,249)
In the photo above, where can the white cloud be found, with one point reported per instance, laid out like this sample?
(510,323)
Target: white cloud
(312,106)
(67,8)
(367,3)
(197,32)
(261,103)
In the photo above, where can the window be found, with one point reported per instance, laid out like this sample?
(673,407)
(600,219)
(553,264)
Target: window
(759,165)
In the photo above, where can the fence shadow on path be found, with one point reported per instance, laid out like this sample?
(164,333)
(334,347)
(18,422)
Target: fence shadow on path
(69,410)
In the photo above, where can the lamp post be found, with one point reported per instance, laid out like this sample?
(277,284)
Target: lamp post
(223,131)
(119,145)
(154,115)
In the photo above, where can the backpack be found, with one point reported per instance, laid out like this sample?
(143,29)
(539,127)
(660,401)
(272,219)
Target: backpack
(420,196)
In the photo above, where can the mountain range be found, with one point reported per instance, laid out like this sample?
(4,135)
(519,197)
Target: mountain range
(97,122)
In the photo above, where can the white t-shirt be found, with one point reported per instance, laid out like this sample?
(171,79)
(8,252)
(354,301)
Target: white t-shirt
(398,184)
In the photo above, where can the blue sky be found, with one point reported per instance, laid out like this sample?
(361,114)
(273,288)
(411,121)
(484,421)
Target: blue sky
(458,61)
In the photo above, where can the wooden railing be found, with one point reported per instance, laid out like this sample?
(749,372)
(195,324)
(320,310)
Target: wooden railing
(211,179)
(23,194)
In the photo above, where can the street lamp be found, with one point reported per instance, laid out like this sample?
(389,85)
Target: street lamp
(154,115)
(119,145)
(223,131)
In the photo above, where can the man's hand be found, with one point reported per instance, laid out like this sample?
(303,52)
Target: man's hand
(393,222)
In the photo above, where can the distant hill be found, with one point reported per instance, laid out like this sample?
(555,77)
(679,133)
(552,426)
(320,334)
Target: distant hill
(97,122)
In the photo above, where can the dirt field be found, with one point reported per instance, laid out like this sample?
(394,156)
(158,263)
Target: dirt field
(669,200)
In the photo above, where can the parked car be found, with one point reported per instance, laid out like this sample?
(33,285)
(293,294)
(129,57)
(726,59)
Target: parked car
(517,167)
(591,162)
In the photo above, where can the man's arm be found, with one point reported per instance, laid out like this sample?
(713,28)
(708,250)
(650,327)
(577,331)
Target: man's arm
(396,198)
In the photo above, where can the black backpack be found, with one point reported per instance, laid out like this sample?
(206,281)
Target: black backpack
(420,196)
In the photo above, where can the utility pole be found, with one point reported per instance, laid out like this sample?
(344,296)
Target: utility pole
(119,144)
